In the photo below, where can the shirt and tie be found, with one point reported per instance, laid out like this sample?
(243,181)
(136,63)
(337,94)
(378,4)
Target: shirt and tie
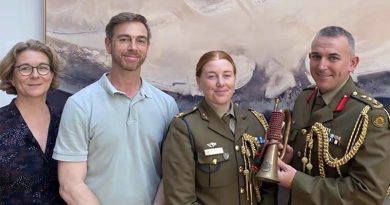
(319,103)
(229,119)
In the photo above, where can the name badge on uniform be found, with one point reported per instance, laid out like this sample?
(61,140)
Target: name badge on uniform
(213,151)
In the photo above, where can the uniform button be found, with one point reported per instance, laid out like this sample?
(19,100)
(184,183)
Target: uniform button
(240,169)
(299,154)
(242,190)
(303,131)
(237,148)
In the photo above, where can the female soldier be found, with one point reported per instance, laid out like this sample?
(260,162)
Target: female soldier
(208,153)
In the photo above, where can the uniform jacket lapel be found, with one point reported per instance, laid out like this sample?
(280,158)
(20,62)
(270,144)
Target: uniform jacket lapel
(322,115)
(327,113)
(303,107)
(348,88)
(215,123)
(241,123)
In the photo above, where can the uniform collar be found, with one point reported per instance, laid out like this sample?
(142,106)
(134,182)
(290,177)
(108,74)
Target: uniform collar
(229,112)
(328,112)
(215,122)
(329,96)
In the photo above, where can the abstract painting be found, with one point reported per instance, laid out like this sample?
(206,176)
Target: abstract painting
(268,39)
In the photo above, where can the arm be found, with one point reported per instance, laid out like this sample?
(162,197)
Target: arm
(72,187)
(159,198)
(178,166)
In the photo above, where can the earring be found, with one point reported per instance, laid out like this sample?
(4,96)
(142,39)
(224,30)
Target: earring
(200,92)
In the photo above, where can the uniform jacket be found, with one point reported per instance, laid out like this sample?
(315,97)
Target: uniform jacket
(215,179)
(365,178)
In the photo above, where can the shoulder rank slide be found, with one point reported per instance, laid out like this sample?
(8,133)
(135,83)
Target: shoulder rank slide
(186,112)
(366,99)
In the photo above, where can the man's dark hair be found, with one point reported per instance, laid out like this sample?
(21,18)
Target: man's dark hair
(126,17)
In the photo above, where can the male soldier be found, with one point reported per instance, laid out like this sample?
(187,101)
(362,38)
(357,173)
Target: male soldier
(340,134)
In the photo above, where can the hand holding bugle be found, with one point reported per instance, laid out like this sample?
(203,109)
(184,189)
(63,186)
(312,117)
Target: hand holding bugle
(279,121)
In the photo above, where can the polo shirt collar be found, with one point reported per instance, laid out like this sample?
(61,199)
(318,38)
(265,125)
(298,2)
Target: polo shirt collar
(144,90)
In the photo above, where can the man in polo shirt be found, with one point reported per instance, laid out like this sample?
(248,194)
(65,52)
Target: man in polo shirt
(109,139)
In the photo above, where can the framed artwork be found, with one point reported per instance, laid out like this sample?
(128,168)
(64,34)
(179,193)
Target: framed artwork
(268,39)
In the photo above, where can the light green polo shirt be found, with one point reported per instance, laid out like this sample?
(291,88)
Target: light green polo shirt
(120,138)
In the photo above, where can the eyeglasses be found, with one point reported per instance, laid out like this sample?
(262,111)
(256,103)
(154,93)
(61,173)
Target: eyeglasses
(25,69)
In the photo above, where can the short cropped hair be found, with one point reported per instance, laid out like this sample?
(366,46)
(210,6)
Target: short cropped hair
(7,65)
(210,56)
(335,31)
(126,17)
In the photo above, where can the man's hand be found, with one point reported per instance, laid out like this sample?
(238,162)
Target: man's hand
(286,174)
(289,153)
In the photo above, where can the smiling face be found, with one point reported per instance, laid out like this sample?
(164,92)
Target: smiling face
(217,81)
(33,85)
(128,46)
(331,62)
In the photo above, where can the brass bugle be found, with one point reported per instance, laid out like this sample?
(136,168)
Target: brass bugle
(269,167)
(286,133)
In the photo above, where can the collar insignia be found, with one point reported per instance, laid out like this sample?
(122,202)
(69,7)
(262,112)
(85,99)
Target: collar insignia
(341,104)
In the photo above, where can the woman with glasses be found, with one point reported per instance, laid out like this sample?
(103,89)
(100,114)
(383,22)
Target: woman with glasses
(28,126)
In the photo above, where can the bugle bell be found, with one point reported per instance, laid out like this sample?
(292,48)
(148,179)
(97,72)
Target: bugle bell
(279,121)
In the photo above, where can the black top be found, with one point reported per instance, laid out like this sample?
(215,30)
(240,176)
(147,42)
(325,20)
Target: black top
(27,175)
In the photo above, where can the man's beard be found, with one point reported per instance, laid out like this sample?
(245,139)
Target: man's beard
(131,66)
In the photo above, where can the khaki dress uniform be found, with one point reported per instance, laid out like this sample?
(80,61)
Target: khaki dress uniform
(341,151)
(209,168)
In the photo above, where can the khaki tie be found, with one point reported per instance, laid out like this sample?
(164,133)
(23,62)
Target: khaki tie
(319,103)
(226,119)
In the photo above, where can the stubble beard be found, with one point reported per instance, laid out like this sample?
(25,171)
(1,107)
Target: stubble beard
(127,67)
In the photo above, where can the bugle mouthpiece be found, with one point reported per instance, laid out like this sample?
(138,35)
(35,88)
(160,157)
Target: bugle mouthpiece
(277,101)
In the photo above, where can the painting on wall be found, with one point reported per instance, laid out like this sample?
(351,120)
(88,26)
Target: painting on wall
(268,39)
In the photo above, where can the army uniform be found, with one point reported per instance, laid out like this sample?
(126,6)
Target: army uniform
(341,151)
(208,168)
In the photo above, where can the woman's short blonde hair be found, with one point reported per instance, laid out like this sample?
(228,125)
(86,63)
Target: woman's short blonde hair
(7,65)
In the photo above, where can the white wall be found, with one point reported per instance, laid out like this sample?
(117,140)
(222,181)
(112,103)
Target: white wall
(20,20)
